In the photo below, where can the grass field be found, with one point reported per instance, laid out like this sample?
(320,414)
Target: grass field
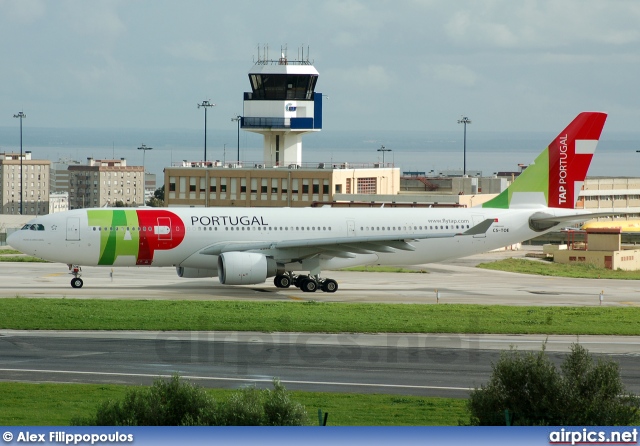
(56,404)
(87,314)
(544,268)
(12,255)
(384,269)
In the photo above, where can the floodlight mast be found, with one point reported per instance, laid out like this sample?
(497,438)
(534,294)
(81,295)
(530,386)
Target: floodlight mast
(144,172)
(206,104)
(382,149)
(464,120)
(21,115)
(238,119)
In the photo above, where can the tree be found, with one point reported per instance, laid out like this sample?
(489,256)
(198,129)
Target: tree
(528,389)
(159,193)
(158,198)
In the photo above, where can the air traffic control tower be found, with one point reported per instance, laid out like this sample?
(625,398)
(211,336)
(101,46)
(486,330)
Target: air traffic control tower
(282,105)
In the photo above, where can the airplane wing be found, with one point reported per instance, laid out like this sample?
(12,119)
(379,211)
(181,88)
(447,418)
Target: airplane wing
(341,246)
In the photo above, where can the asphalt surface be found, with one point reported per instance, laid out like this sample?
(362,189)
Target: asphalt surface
(426,365)
(454,282)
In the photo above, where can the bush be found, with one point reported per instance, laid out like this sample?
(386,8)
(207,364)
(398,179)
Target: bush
(173,403)
(534,392)
(166,403)
(253,407)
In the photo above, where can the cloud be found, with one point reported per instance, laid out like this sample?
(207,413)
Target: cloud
(98,19)
(534,24)
(453,74)
(23,11)
(191,49)
(369,78)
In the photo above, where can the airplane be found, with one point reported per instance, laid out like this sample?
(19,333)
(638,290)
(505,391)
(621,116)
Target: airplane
(244,246)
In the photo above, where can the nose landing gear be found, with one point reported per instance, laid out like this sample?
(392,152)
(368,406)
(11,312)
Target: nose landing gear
(76,272)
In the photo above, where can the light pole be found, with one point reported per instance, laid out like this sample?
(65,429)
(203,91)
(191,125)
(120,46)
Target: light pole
(238,119)
(464,120)
(144,172)
(206,105)
(382,149)
(20,115)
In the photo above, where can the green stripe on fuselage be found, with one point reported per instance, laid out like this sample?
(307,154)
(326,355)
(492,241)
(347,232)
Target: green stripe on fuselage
(119,235)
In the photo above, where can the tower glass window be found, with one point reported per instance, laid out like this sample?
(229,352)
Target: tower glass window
(283,86)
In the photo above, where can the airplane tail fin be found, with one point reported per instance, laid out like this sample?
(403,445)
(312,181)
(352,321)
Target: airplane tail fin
(557,174)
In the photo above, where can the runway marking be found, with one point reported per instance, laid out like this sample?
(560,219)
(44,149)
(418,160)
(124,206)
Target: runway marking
(213,378)
(55,275)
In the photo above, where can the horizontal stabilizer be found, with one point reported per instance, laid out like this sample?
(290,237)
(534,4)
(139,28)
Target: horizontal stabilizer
(541,221)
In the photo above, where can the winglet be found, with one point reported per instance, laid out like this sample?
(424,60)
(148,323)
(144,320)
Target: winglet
(557,175)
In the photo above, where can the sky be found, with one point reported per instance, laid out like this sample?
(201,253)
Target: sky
(399,65)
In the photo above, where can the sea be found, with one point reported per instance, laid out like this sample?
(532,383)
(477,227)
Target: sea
(412,151)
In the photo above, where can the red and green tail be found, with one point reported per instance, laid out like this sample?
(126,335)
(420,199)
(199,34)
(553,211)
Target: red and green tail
(557,175)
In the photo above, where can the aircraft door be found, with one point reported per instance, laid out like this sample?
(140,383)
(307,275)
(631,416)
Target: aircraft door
(475,220)
(73,229)
(164,233)
(351,228)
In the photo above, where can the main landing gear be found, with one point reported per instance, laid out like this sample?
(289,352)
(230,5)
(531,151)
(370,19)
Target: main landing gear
(308,284)
(76,272)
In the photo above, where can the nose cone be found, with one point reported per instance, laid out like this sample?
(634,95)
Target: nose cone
(14,240)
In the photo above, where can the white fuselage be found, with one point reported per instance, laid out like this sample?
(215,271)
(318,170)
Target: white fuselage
(176,236)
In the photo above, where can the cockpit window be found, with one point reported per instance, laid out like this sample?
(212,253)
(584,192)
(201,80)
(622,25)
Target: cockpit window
(33,227)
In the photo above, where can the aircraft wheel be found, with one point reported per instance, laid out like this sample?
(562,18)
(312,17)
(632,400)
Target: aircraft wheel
(309,286)
(282,281)
(330,286)
(298,281)
(76,282)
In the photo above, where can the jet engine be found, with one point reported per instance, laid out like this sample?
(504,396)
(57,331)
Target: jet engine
(246,268)
(195,273)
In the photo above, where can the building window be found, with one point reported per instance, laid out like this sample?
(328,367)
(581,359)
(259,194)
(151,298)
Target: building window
(367,185)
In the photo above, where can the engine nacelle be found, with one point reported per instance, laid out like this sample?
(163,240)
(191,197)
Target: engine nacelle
(246,268)
(195,273)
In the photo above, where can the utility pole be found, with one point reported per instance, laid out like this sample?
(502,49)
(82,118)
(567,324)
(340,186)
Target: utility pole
(21,115)
(206,104)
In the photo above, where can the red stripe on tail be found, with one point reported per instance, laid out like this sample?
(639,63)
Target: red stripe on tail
(568,169)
